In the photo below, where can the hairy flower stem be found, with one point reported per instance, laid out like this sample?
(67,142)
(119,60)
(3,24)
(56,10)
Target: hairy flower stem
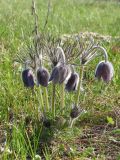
(41,99)
(71,123)
(62,96)
(79,85)
(91,56)
(37,109)
(73,120)
(53,99)
(45,93)
(104,52)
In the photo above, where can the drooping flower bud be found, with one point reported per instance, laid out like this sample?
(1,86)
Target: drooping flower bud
(54,75)
(27,77)
(74,112)
(72,83)
(42,77)
(60,73)
(63,73)
(47,123)
(105,71)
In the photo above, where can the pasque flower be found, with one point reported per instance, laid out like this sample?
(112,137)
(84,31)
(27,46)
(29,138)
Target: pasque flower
(27,77)
(60,73)
(105,71)
(54,75)
(43,76)
(72,83)
(74,112)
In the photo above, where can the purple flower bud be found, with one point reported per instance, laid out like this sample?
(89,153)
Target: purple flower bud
(47,123)
(60,74)
(42,77)
(63,72)
(105,71)
(27,77)
(75,112)
(54,75)
(72,83)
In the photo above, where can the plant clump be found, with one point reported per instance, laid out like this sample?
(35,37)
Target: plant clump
(66,60)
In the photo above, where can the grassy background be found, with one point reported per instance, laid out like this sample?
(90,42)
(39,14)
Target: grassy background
(17,103)
(65,16)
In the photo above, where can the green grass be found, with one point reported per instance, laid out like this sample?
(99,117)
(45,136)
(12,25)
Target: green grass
(26,136)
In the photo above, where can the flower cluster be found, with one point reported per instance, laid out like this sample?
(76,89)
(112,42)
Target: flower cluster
(64,73)
(61,73)
(62,58)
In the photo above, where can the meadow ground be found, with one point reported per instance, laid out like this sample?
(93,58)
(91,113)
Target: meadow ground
(96,135)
